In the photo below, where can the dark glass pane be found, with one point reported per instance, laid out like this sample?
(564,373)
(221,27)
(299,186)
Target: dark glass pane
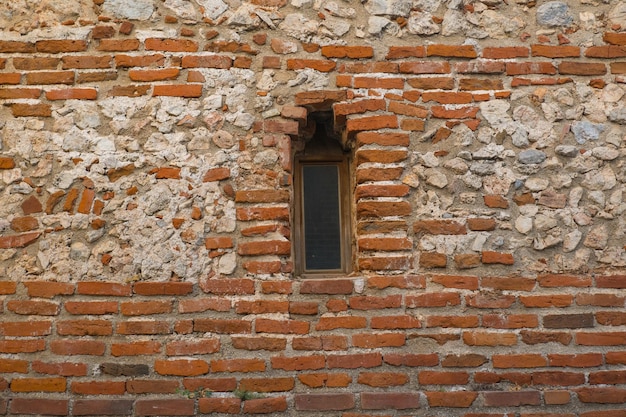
(322,229)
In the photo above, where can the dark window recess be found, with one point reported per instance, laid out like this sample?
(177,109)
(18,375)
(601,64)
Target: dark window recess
(321,210)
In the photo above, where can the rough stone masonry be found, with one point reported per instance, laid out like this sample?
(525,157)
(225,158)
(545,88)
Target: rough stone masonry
(147,208)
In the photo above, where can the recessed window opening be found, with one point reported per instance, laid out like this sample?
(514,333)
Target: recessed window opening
(323,238)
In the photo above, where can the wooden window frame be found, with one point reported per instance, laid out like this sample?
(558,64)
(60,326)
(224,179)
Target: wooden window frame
(342,161)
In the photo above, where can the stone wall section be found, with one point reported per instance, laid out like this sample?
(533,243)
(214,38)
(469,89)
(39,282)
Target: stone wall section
(146,189)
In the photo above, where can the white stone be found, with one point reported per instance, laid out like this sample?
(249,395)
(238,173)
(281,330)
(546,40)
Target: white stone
(523,224)
(603,179)
(183,9)
(536,184)
(597,238)
(571,240)
(436,178)
(134,10)
(213,9)
(617,15)
(421,23)
(544,222)
(605,153)
(227,263)
(612,93)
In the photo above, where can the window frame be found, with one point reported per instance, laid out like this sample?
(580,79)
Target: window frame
(342,161)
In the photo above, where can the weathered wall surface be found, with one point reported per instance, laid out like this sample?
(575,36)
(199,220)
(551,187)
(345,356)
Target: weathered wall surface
(146,196)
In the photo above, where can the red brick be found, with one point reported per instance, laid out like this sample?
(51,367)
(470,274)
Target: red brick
(113,407)
(143,327)
(603,395)
(398,52)
(84,328)
(38,385)
(219,405)
(267,384)
(181,367)
(583,360)
(340,51)
(332,380)
(389,400)
(30,307)
(125,61)
(200,346)
(376,340)
(163,288)
(455,399)
(582,68)
(177,90)
(496,201)
(230,286)
(50,77)
(226,326)
(36,64)
(54,407)
(9,366)
(600,338)
(408,109)
(56,46)
(434,83)
(607,377)
(259,343)
(542,301)
(563,280)
(60,368)
(16,46)
(72,94)
(611,281)
(333,287)
(383,379)
(491,257)
(408,281)
(489,339)
(169,407)
(510,321)
(261,306)
(48,289)
(453,51)
(87,62)
(456,281)
(171,45)
(341,322)
(22,346)
(28,328)
(465,321)
(533,337)
(606,51)
(31,110)
(77,347)
(98,387)
(135,348)
(470,360)
(509,283)
(281,326)
(523,68)
(265,405)
(553,51)
(353,361)
(324,402)
(395,322)
(529,360)
(424,67)
(439,299)
(556,397)
(326,342)
(14,93)
(368,67)
(442,378)
(7,287)
(446,97)
(103,288)
(238,365)
(91,307)
(316,64)
(511,399)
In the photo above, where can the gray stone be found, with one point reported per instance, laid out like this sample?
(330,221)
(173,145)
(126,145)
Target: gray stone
(584,131)
(566,150)
(531,156)
(618,115)
(554,13)
(133,10)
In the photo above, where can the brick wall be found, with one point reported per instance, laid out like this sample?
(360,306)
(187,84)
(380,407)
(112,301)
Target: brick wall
(146,180)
